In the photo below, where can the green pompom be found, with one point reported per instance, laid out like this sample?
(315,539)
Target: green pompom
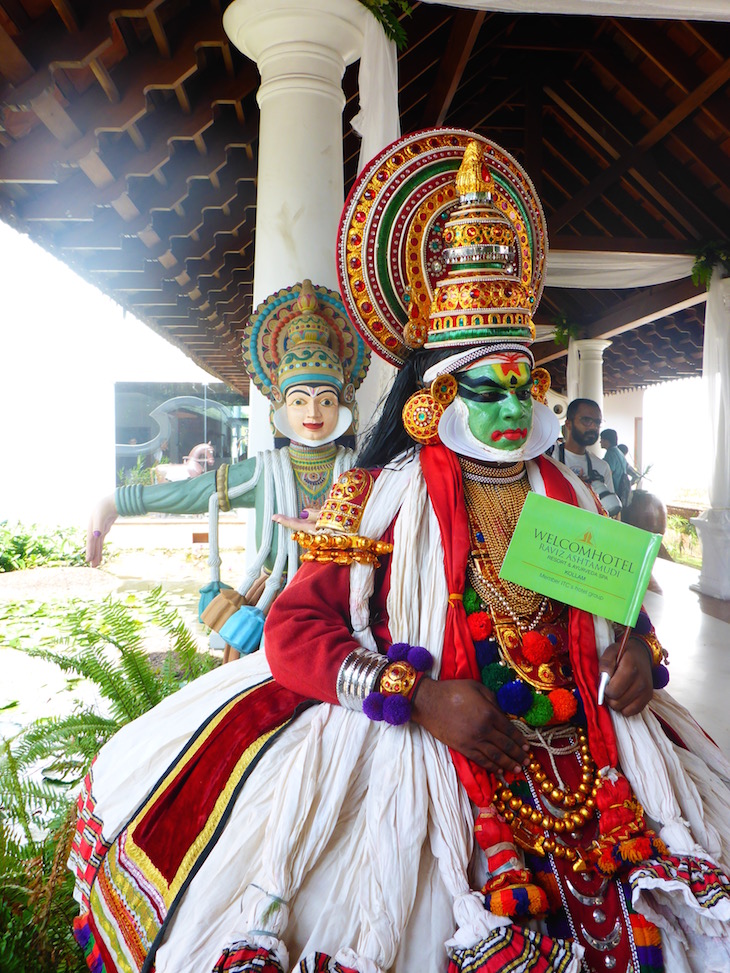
(472,602)
(494,676)
(541,711)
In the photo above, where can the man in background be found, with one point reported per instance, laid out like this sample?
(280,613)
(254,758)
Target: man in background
(582,424)
(619,467)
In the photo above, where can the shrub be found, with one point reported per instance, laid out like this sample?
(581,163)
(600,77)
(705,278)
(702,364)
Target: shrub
(42,767)
(32,547)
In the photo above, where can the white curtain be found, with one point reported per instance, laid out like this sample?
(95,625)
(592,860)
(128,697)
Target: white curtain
(566,268)
(378,121)
(716,369)
(645,9)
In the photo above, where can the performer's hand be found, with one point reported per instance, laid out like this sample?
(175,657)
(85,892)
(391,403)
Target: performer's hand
(464,715)
(630,687)
(104,515)
(306,521)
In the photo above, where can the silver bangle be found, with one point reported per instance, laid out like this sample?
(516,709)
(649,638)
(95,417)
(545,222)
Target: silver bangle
(359,676)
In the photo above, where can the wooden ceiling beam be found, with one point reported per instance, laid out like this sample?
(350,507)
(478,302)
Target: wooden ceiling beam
(614,171)
(465,29)
(591,120)
(578,244)
(647,305)
(619,214)
(659,174)
(656,105)
(668,57)
(14,66)
(139,74)
(131,252)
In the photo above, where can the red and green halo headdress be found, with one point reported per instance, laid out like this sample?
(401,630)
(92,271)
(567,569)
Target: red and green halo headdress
(441,244)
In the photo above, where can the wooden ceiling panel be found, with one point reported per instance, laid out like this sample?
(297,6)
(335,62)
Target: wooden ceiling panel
(128,144)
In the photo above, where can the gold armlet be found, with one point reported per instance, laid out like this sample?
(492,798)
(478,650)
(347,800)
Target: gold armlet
(340,548)
(221,486)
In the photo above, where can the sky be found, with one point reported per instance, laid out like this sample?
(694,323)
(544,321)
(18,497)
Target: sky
(63,345)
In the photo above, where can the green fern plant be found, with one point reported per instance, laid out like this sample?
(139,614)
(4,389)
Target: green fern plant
(41,768)
(33,546)
(36,901)
(706,259)
(388,12)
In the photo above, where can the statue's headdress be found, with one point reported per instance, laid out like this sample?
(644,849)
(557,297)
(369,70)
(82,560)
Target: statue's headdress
(442,244)
(302,334)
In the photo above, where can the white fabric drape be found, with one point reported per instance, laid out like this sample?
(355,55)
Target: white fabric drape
(645,9)
(566,268)
(716,369)
(378,121)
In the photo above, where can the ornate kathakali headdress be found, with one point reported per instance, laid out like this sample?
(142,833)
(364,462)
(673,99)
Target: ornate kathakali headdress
(442,245)
(303,335)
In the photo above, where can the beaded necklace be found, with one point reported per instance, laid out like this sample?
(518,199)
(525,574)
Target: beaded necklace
(494,497)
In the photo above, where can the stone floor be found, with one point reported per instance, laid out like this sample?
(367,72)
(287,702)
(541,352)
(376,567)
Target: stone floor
(695,630)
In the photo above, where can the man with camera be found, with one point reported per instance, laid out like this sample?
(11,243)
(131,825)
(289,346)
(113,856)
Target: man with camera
(582,426)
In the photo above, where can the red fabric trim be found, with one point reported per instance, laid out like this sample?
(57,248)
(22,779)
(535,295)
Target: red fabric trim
(189,799)
(442,474)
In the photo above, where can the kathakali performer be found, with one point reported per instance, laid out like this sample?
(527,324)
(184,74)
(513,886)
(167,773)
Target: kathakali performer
(428,783)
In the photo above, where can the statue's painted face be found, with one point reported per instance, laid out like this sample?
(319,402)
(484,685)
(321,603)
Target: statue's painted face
(498,400)
(312,411)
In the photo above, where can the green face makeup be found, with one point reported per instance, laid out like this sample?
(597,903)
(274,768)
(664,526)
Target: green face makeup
(499,402)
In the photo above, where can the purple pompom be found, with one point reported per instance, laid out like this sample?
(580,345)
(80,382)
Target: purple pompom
(514,698)
(398,652)
(420,658)
(643,624)
(372,706)
(660,676)
(396,710)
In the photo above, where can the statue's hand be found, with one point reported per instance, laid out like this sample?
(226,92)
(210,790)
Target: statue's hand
(630,687)
(306,521)
(464,715)
(102,518)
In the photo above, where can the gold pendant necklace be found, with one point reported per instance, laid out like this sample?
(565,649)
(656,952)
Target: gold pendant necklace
(494,499)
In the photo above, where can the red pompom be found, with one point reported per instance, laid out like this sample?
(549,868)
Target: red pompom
(537,648)
(564,703)
(480,625)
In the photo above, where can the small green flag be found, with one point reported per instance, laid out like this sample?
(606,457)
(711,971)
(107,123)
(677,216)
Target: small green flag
(581,558)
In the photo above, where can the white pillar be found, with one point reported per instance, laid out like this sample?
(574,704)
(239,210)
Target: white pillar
(713,526)
(585,368)
(301,48)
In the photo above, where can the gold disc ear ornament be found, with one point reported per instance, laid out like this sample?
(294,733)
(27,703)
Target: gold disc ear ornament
(444,389)
(421,415)
(540,384)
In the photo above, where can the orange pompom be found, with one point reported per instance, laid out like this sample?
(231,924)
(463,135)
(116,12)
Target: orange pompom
(480,625)
(537,648)
(636,850)
(564,703)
